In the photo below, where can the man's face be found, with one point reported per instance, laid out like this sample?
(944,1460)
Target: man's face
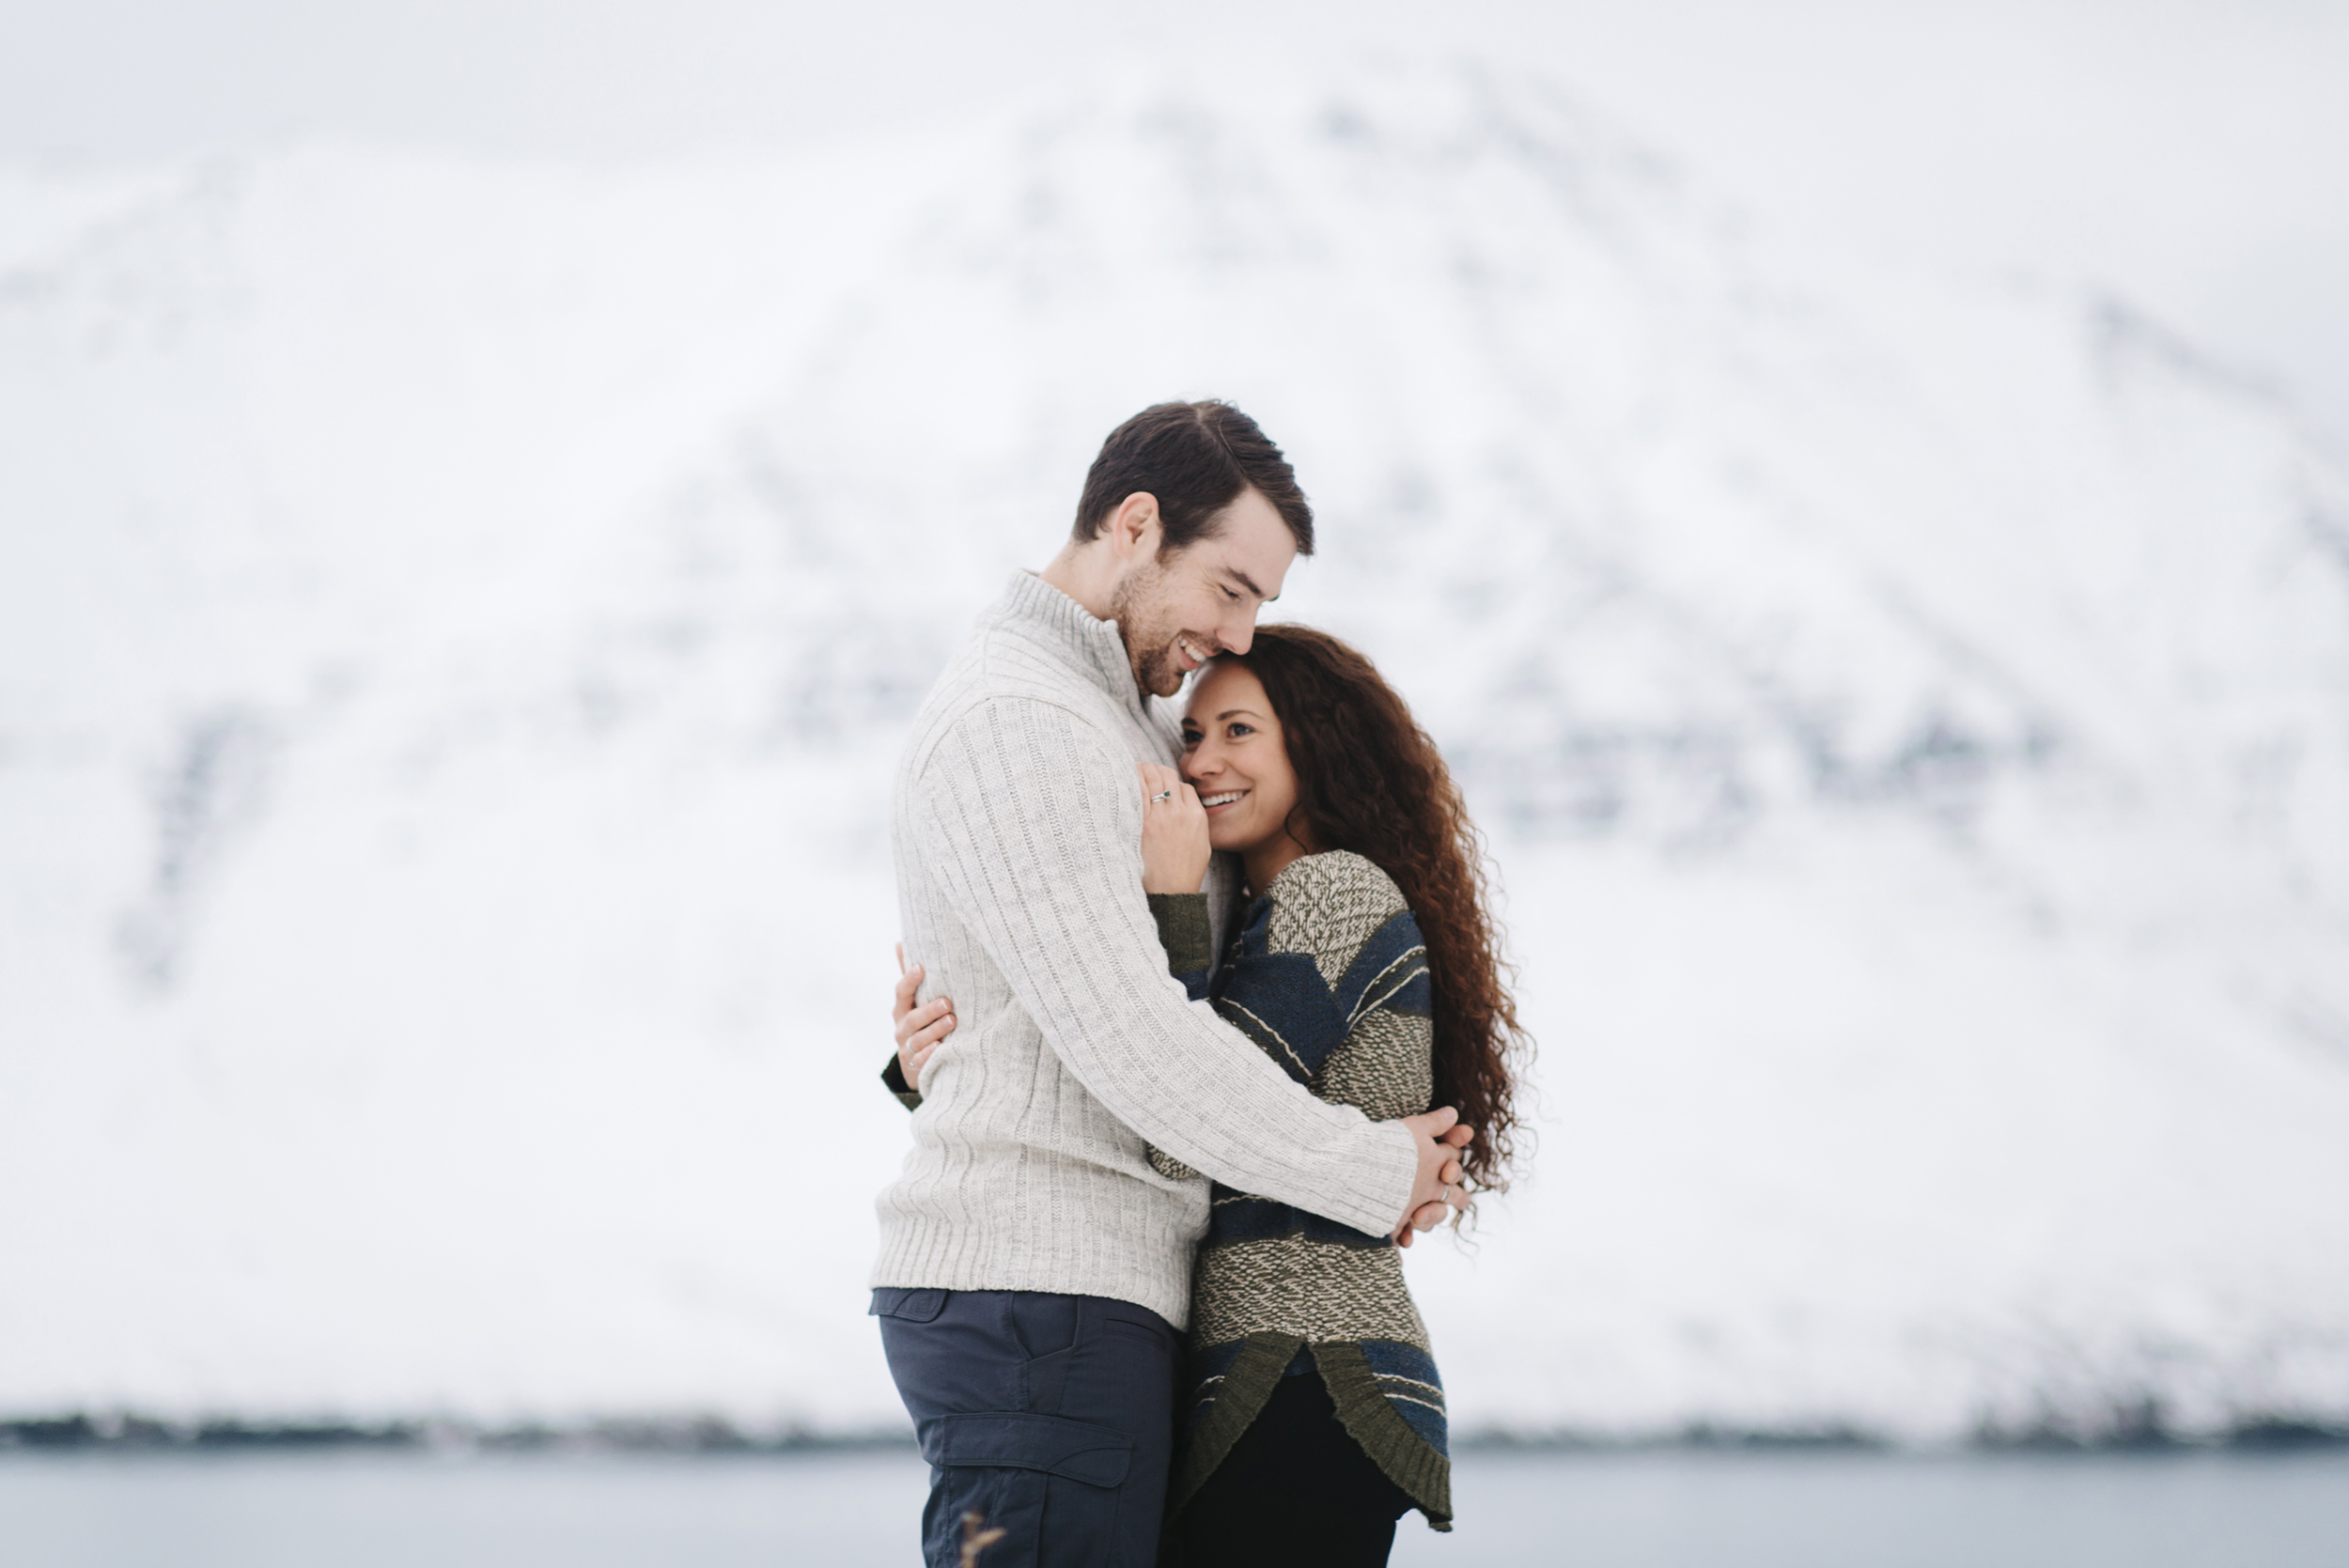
(1177,614)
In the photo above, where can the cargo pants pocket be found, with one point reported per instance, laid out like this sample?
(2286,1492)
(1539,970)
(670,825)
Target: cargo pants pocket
(1052,1484)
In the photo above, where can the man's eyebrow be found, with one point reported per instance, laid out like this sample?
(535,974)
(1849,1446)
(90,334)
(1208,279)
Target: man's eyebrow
(1249,583)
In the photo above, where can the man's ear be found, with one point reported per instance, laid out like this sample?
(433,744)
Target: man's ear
(1133,529)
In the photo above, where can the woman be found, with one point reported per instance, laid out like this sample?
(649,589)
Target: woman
(1367,967)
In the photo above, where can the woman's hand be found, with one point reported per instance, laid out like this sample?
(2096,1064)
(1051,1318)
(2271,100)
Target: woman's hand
(1175,847)
(919,1029)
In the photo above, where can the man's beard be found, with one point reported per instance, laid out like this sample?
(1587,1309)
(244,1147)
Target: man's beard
(1149,642)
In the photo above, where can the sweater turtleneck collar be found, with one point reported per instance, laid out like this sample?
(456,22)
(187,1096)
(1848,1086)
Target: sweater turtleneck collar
(1093,646)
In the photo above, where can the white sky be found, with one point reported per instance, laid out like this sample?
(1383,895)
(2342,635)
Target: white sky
(2192,153)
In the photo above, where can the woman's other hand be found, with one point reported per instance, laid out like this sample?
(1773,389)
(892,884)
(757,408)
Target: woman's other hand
(1175,847)
(919,1029)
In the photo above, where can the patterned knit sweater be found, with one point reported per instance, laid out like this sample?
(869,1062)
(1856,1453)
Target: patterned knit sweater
(1329,976)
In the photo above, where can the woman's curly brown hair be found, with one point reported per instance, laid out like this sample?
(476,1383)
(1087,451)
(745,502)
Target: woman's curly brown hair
(1370,780)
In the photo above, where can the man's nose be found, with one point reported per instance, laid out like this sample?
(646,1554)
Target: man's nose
(1239,632)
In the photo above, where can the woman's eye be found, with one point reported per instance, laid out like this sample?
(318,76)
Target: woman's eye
(1237,730)
(1192,739)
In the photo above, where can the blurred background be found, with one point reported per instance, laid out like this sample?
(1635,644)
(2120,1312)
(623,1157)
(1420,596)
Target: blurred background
(1857,489)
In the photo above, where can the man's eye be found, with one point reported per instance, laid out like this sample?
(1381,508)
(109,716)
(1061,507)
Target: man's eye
(1233,597)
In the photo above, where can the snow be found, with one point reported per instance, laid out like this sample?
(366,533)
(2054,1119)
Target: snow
(457,620)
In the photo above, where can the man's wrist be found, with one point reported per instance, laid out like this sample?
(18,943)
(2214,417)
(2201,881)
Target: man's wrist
(1405,1203)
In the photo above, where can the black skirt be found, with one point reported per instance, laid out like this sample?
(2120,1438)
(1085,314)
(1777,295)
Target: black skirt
(1295,1492)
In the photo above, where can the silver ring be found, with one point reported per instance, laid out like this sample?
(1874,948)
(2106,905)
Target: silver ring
(1161,795)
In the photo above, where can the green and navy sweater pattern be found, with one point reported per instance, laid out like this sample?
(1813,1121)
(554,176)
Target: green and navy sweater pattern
(1329,976)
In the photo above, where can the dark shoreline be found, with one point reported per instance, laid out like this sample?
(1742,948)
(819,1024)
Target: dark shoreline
(81,1431)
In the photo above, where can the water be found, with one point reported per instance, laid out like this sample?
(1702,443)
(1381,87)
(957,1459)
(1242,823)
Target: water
(1682,1509)
(1642,1510)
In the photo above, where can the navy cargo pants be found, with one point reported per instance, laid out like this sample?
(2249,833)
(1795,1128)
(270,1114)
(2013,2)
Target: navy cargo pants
(1051,1417)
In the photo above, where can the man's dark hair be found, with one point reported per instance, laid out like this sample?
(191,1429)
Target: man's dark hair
(1196,459)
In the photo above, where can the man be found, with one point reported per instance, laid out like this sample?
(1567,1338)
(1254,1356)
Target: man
(1035,1273)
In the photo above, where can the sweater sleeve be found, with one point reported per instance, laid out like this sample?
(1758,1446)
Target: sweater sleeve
(1032,832)
(893,1079)
(1182,921)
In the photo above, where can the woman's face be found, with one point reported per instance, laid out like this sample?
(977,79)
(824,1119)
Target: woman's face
(1234,755)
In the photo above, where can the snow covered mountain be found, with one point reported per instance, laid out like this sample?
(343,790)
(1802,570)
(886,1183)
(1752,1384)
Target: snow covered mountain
(455,621)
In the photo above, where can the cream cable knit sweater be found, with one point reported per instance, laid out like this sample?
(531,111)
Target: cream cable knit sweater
(1017,823)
